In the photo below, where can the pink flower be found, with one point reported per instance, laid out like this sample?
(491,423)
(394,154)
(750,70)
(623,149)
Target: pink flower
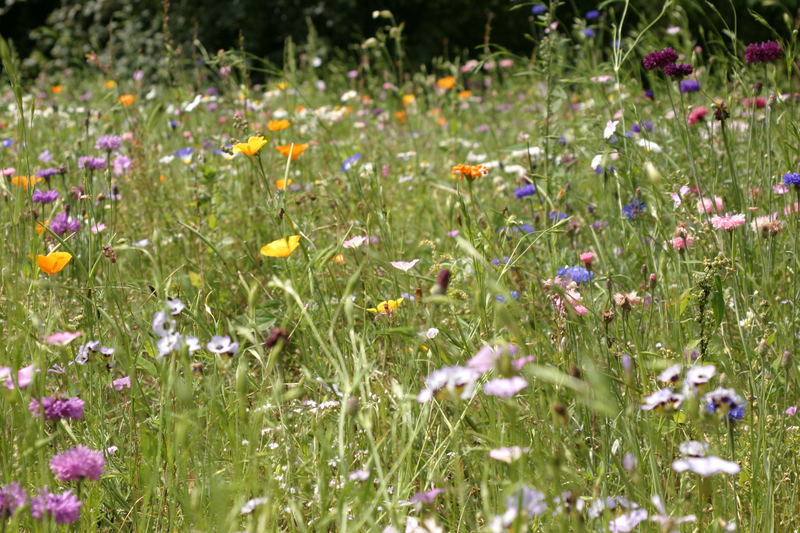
(681,243)
(355,242)
(707,205)
(10,171)
(759,103)
(97,228)
(62,338)
(587,258)
(696,115)
(121,383)
(791,411)
(405,266)
(24,376)
(788,209)
(728,222)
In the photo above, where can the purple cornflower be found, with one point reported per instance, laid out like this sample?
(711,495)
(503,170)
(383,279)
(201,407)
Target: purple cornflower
(792,178)
(634,209)
(63,223)
(659,60)
(678,70)
(538,9)
(44,197)
(689,86)
(47,172)
(56,409)
(77,464)
(122,165)
(65,508)
(12,496)
(45,156)
(91,163)
(765,52)
(525,190)
(350,162)
(588,33)
(578,274)
(591,15)
(108,142)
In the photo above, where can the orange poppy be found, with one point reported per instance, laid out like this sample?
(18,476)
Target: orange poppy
(25,181)
(446,83)
(463,95)
(53,262)
(56,89)
(126,99)
(292,149)
(339,258)
(282,184)
(400,116)
(278,125)
(470,172)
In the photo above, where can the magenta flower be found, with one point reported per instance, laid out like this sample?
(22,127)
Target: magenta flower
(426,497)
(77,464)
(57,409)
(727,222)
(661,59)
(24,376)
(765,52)
(62,338)
(678,70)
(121,383)
(108,142)
(12,497)
(65,508)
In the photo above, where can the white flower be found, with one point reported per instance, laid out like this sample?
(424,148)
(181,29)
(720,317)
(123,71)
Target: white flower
(694,448)
(349,95)
(250,505)
(222,344)
(405,266)
(507,454)
(706,466)
(175,306)
(597,162)
(431,333)
(355,242)
(162,324)
(358,475)
(649,146)
(627,522)
(700,375)
(671,374)
(662,398)
(611,128)
(452,381)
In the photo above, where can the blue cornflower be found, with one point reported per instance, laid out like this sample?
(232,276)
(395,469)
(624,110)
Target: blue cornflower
(593,14)
(527,228)
(557,215)
(689,86)
(791,178)
(498,262)
(578,274)
(185,154)
(634,209)
(7,143)
(588,33)
(350,162)
(525,190)
(635,128)
(725,401)
(538,9)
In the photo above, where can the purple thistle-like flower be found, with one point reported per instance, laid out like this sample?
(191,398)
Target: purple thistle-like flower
(47,172)
(678,70)
(122,164)
(55,409)
(65,508)
(12,497)
(765,52)
(659,60)
(77,464)
(108,142)
(91,163)
(45,197)
(63,223)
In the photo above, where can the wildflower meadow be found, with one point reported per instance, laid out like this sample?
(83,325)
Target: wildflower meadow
(554,291)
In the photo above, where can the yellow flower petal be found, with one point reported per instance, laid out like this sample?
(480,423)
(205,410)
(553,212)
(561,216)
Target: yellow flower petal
(251,147)
(53,262)
(282,247)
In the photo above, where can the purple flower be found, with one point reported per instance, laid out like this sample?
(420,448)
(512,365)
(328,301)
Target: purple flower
(578,274)
(634,209)
(350,162)
(219,345)
(45,156)
(689,86)
(791,178)
(122,164)
(65,508)
(593,14)
(538,9)
(427,496)
(678,70)
(765,52)
(47,172)
(525,190)
(588,33)
(56,409)
(11,498)
(504,387)
(91,163)
(108,142)
(77,464)
(659,60)
(63,223)
(45,197)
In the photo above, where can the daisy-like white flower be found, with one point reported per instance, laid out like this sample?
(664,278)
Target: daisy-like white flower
(627,522)
(698,376)
(222,345)
(405,266)
(694,448)
(355,242)
(706,466)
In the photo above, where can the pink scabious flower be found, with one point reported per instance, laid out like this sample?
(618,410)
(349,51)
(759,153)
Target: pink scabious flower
(696,115)
(65,508)
(54,408)
(707,205)
(77,464)
(504,387)
(62,338)
(587,258)
(727,222)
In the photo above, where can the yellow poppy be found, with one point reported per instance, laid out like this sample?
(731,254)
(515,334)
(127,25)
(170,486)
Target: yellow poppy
(292,149)
(408,99)
(53,262)
(282,85)
(282,247)
(25,181)
(282,184)
(126,99)
(110,84)
(251,147)
(446,83)
(387,306)
(278,125)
